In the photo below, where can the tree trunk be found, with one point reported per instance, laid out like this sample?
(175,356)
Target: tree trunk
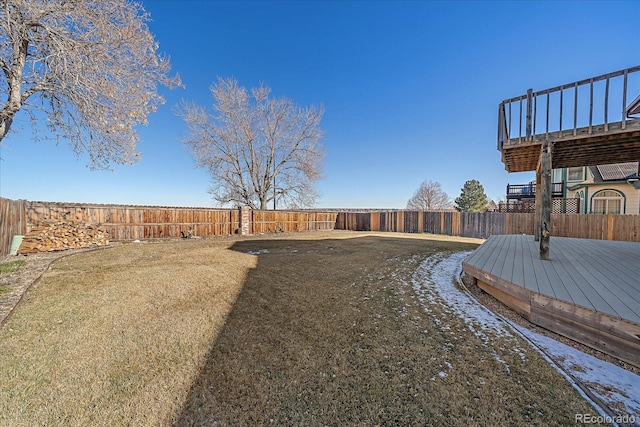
(5,125)
(10,109)
(14,101)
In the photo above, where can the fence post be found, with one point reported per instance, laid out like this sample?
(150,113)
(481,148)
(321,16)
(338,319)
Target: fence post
(610,226)
(244,220)
(13,222)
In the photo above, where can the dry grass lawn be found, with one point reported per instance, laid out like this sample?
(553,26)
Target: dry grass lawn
(317,329)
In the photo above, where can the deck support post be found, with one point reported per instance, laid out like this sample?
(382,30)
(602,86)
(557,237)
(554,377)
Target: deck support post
(544,225)
(538,204)
(244,220)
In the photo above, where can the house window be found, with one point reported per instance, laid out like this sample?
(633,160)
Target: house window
(575,174)
(607,202)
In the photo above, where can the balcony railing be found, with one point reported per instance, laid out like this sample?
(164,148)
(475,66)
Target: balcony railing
(565,109)
(528,191)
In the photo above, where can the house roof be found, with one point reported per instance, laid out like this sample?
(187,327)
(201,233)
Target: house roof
(615,172)
(634,107)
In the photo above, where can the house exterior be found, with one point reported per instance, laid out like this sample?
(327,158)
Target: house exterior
(522,197)
(611,189)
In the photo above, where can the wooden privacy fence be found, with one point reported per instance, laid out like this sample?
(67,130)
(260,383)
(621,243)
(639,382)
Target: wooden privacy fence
(138,222)
(483,225)
(592,226)
(150,222)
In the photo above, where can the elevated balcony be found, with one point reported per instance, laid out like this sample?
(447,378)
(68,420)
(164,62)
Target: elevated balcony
(577,120)
(528,191)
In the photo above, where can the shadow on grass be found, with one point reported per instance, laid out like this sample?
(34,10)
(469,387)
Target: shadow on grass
(310,337)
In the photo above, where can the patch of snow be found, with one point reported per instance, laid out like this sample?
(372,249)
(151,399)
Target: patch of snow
(610,383)
(433,282)
(258,252)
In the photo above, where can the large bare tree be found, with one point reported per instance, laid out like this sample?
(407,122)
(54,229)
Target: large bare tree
(429,197)
(89,69)
(258,149)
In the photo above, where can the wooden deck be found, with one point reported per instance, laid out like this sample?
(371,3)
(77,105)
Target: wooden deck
(589,290)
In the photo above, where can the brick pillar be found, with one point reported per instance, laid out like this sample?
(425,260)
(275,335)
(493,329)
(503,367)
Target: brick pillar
(245,213)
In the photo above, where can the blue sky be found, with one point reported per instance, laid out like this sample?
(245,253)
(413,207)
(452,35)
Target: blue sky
(410,88)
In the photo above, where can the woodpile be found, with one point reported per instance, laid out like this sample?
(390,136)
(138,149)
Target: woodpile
(60,235)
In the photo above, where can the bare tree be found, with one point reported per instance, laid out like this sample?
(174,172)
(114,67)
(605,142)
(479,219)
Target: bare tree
(88,68)
(429,197)
(257,148)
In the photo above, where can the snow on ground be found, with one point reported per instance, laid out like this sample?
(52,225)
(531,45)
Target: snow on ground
(433,282)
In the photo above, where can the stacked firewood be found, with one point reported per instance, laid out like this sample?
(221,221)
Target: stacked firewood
(60,235)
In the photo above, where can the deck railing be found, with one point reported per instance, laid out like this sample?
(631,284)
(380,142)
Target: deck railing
(585,103)
(528,191)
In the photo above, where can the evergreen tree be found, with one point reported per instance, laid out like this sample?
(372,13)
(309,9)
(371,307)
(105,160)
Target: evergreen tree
(472,198)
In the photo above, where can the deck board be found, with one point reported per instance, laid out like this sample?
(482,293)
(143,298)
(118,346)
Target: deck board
(556,283)
(605,283)
(622,271)
(496,269)
(616,277)
(509,260)
(518,273)
(572,256)
(478,257)
(544,281)
(494,254)
(530,281)
(571,279)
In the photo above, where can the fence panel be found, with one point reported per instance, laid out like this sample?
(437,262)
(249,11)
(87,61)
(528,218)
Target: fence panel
(138,222)
(263,221)
(626,227)
(13,222)
(597,226)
